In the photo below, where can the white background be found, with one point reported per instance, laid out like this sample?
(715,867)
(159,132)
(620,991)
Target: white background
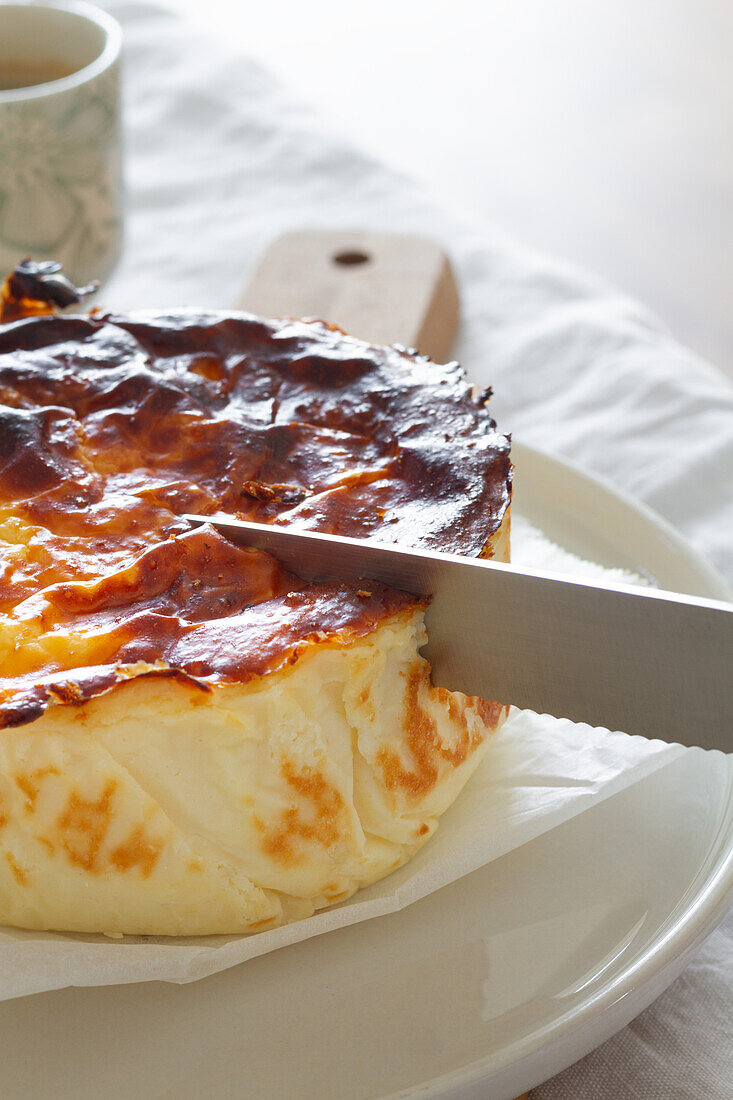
(599,130)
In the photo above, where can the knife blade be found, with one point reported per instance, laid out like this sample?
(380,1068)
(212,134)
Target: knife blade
(640,660)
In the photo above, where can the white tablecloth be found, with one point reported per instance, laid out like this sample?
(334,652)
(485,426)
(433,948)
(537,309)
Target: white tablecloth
(220,160)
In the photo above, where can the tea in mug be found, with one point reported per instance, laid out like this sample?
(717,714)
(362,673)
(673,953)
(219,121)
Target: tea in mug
(25,74)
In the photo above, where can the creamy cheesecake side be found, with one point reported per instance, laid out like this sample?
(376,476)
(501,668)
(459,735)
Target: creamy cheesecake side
(158,808)
(193,740)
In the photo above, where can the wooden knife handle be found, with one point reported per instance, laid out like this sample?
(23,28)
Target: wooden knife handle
(386,288)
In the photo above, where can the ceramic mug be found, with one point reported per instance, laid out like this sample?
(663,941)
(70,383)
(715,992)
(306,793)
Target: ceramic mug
(60,156)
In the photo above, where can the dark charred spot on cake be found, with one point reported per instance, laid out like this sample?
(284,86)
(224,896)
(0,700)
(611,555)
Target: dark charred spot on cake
(428,753)
(82,827)
(36,287)
(315,817)
(490,713)
(29,790)
(137,851)
(29,784)
(65,691)
(19,873)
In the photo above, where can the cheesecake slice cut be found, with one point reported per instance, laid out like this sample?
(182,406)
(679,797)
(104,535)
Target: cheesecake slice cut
(194,740)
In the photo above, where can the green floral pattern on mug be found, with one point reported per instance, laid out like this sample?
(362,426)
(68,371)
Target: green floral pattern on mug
(60,178)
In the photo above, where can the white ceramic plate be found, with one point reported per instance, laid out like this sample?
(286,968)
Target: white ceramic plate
(484,989)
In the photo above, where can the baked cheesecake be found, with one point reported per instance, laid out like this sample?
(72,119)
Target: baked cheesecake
(195,740)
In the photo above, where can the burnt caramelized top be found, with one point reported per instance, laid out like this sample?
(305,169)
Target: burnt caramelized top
(112,425)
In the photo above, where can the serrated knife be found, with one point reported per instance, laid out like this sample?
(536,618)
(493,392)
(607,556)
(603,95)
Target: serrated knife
(640,660)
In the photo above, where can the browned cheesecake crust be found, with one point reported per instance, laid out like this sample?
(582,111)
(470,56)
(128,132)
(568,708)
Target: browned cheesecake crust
(111,426)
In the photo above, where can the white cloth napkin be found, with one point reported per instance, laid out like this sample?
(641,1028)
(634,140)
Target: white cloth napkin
(220,160)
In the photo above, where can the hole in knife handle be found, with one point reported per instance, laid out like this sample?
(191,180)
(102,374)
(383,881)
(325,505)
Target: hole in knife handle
(351,258)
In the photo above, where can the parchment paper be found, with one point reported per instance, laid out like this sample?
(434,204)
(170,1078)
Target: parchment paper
(538,772)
